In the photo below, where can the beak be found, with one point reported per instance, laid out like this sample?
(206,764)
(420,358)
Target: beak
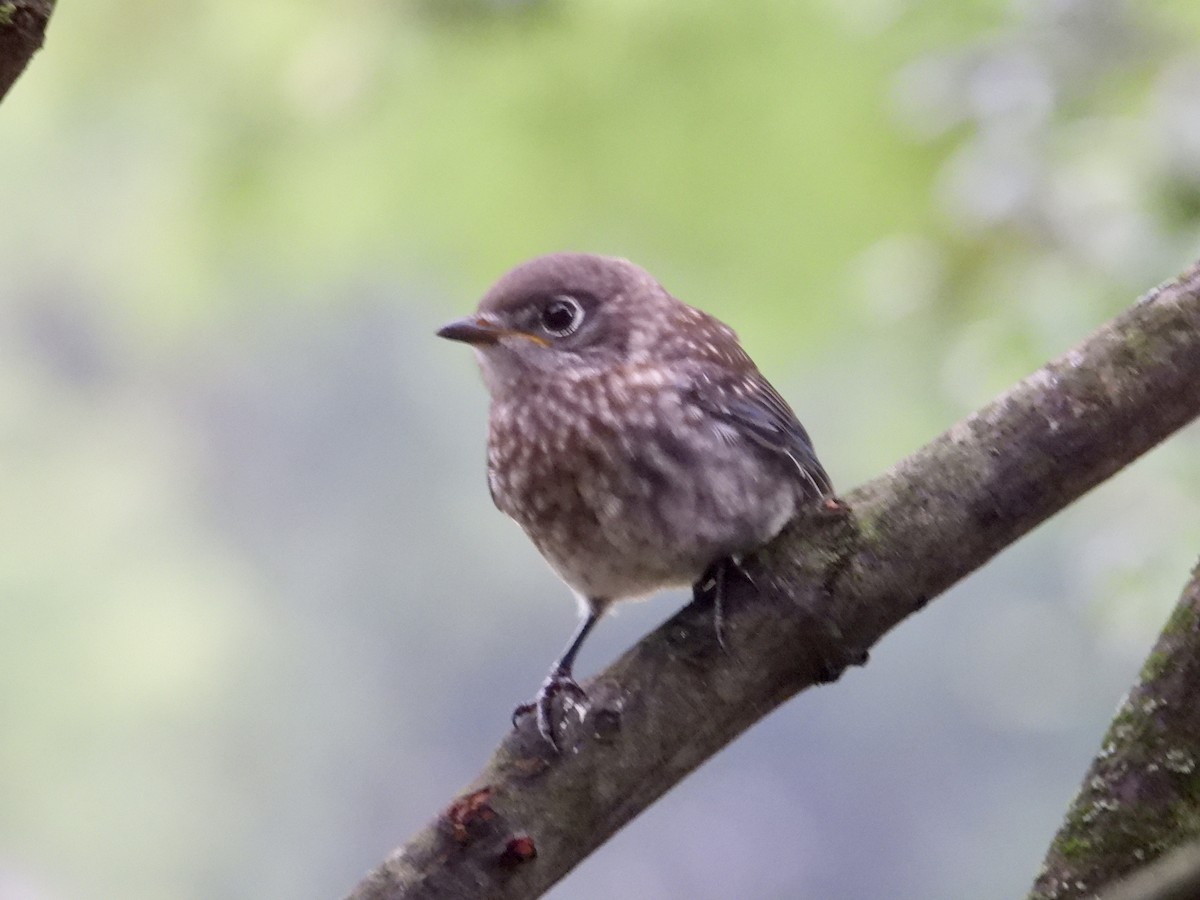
(472,330)
(482,332)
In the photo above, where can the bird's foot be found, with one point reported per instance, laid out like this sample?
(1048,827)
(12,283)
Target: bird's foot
(715,582)
(559,681)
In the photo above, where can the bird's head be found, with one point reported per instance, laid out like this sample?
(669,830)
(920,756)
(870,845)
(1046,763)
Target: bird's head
(565,314)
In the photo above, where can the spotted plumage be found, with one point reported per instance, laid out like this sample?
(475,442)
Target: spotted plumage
(630,435)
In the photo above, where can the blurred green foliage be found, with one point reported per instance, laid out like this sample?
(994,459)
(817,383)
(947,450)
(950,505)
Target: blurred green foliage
(254,604)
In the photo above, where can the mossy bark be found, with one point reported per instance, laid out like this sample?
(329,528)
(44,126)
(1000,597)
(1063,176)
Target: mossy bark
(1141,795)
(826,590)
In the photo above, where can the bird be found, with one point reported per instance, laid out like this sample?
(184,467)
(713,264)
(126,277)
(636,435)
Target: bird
(632,439)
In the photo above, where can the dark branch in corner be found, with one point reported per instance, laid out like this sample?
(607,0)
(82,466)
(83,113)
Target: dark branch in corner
(22,29)
(1141,796)
(1174,877)
(830,587)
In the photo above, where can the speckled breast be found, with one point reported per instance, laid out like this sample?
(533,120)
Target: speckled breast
(627,488)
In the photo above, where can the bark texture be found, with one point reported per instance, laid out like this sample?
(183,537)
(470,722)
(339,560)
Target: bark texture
(828,588)
(22,29)
(1141,796)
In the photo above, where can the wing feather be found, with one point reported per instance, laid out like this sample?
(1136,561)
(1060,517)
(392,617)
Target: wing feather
(749,405)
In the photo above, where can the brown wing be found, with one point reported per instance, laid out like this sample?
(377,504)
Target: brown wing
(759,413)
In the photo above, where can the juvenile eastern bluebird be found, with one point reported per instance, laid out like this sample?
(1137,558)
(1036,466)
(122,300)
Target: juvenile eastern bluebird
(630,436)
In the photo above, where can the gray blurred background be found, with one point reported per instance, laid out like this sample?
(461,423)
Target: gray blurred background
(258,618)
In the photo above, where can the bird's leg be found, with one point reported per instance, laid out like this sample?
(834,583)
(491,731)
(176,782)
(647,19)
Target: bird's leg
(718,590)
(560,680)
(715,580)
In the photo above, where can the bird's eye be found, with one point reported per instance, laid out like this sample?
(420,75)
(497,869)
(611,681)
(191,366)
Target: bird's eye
(562,316)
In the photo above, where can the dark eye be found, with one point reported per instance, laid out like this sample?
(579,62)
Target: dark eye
(562,315)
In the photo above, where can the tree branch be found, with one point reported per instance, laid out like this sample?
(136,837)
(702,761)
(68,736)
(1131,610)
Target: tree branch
(828,588)
(22,29)
(1174,877)
(1141,795)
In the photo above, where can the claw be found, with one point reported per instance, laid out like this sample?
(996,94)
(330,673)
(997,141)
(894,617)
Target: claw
(523,710)
(714,582)
(557,682)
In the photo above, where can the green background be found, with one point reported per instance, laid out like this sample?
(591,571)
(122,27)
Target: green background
(258,618)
